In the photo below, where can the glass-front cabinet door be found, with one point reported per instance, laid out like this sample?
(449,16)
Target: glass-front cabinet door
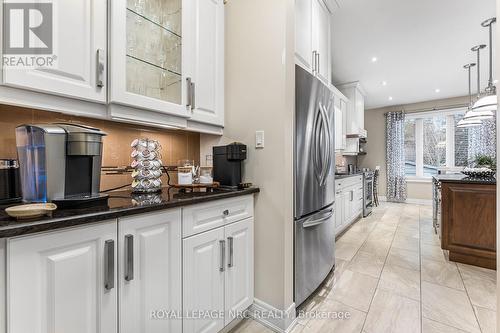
(147,55)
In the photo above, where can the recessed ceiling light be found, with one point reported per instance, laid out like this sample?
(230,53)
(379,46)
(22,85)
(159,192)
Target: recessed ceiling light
(374,59)
(437,90)
(384,83)
(390,98)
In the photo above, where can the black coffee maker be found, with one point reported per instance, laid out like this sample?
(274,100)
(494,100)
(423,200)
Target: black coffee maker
(10,181)
(227,162)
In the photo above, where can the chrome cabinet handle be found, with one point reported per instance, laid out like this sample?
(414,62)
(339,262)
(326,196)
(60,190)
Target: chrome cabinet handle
(225,212)
(222,244)
(314,63)
(193,95)
(230,241)
(129,257)
(352,195)
(317,63)
(188,94)
(100,68)
(109,264)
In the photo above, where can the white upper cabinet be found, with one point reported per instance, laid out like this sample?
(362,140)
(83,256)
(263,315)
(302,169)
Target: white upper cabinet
(303,33)
(65,280)
(168,58)
(165,59)
(204,47)
(149,277)
(321,40)
(79,48)
(148,55)
(355,109)
(312,38)
(340,105)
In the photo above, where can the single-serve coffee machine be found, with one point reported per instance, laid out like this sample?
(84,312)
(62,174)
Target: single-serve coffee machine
(227,164)
(60,163)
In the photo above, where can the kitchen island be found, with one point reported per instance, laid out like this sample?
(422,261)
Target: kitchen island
(467,219)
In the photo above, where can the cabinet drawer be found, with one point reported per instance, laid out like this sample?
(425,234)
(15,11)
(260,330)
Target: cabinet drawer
(214,214)
(349,181)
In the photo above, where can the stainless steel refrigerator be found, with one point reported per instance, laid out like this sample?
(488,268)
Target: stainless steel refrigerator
(314,173)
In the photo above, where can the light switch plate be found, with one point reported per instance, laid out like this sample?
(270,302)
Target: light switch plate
(259,139)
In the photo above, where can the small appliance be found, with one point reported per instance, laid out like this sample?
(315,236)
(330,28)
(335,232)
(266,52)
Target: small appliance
(10,182)
(351,169)
(60,163)
(227,162)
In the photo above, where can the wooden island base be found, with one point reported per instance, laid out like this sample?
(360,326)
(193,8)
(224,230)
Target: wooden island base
(468,222)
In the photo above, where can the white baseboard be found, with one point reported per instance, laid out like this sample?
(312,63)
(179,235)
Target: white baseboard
(277,320)
(410,201)
(419,201)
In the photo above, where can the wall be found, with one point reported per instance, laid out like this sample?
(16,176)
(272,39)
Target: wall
(260,96)
(376,145)
(176,145)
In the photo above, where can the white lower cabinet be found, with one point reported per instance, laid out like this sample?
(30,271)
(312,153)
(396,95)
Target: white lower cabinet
(149,275)
(133,275)
(63,281)
(217,276)
(239,270)
(348,202)
(203,276)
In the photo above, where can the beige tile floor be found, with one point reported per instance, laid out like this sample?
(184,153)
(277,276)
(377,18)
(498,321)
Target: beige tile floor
(392,276)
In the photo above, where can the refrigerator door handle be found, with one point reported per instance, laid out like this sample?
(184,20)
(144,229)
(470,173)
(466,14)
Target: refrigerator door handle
(321,220)
(316,148)
(327,160)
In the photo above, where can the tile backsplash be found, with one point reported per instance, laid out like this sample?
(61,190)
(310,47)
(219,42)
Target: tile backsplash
(176,144)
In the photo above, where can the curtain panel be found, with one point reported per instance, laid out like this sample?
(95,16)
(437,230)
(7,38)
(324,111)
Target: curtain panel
(482,140)
(395,157)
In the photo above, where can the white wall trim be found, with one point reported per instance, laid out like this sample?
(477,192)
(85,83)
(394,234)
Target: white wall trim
(277,320)
(419,180)
(419,201)
(410,201)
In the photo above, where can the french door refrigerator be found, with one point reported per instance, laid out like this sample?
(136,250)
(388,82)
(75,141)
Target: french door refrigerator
(314,181)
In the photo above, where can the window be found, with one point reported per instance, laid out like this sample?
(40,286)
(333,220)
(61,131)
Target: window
(434,145)
(432,141)
(410,153)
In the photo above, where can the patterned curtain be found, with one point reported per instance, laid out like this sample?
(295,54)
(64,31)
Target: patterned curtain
(395,156)
(482,140)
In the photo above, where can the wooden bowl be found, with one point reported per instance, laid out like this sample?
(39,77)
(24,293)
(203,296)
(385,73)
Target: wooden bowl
(31,210)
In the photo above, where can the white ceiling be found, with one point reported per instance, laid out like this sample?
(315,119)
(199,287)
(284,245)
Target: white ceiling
(421,46)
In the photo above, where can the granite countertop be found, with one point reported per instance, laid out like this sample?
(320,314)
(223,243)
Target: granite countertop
(120,203)
(342,176)
(463,179)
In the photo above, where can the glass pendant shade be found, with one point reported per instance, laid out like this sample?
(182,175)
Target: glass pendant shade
(464,123)
(478,115)
(486,103)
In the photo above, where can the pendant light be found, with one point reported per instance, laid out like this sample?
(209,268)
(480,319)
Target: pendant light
(488,102)
(479,114)
(463,123)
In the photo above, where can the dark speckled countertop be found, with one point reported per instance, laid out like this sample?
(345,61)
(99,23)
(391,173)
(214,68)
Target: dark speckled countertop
(120,203)
(459,178)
